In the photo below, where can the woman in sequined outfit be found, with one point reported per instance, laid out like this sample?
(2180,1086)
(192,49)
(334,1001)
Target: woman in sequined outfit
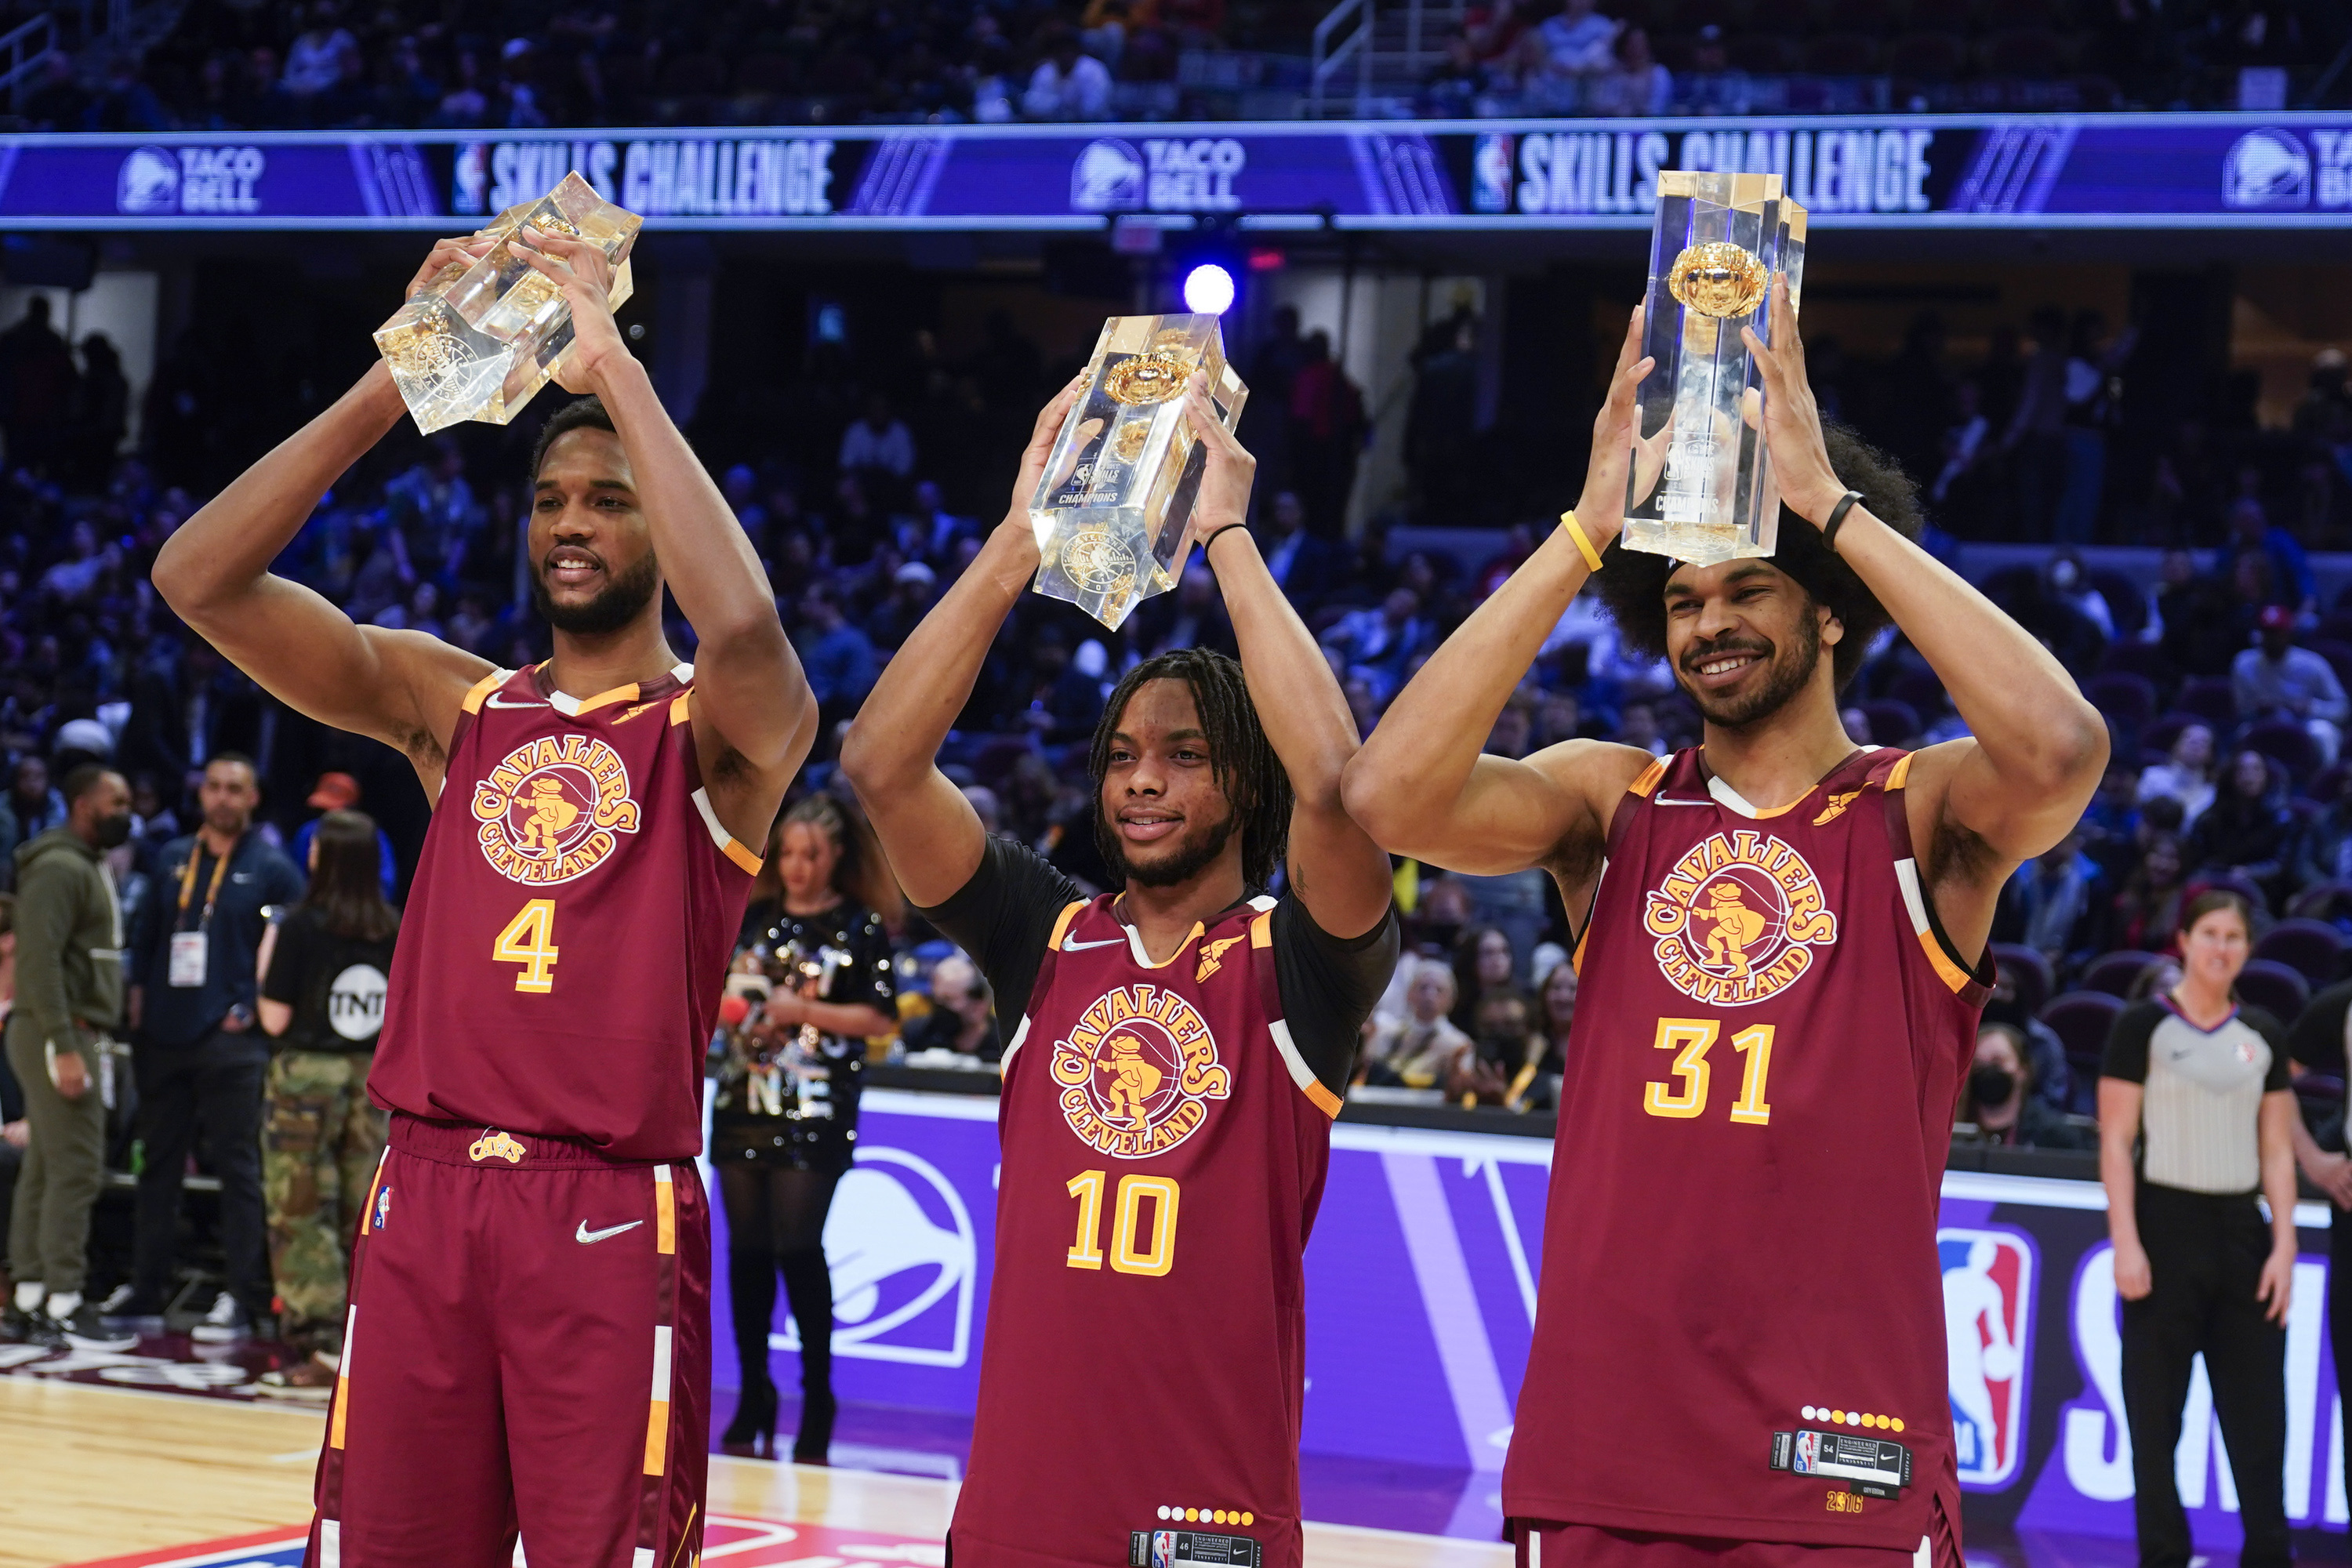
(815,967)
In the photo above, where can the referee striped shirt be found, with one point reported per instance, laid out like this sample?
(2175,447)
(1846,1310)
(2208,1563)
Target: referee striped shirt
(2204,1092)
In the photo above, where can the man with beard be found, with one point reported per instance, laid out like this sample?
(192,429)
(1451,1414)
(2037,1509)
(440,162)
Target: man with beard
(1182,1048)
(68,999)
(1741,1280)
(532,1259)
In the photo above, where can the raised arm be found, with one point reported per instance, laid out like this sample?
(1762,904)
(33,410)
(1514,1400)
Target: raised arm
(2037,749)
(401,688)
(1340,875)
(754,715)
(1421,786)
(929,830)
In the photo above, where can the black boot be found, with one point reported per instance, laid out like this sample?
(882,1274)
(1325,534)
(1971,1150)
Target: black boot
(752,1295)
(809,1284)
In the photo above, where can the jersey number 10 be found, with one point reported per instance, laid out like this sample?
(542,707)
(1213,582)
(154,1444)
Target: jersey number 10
(1131,1251)
(1690,1039)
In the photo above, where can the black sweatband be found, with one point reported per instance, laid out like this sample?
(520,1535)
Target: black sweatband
(1211,539)
(1837,516)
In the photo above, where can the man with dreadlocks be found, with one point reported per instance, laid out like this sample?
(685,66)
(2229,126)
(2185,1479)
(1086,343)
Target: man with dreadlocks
(1740,1283)
(1182,1049)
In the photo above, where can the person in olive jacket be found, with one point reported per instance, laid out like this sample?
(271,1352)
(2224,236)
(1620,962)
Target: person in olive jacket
(68,999)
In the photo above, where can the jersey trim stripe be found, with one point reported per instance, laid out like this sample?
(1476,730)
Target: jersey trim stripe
(483,687)
(1004,1062)
(572,707)
(658,1418)
(1649,779)
(343,1375)
(1262,930)
(1062,926)
(681,708)
(743,857)
(1914,901)
(367,1215)
(1135,945)
(665,1213)
(1322,1099)
(1900,772)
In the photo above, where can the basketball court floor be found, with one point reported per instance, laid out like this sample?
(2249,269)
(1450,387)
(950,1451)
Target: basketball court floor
(165,1458)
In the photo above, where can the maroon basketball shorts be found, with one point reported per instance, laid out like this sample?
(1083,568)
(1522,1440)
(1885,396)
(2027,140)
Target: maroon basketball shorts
(528,1351)
(1539,1544)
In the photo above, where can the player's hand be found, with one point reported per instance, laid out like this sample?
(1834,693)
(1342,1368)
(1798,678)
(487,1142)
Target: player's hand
(1231,471)
(787,1009)
(2133,1281)
(18,1135)
(2277,1283)
(582,271)
(1616,431)
(1016,527)
(1793,418)
(2332,1175)
(446,253)
(72,1076)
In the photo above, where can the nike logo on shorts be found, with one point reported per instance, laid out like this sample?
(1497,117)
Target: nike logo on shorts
(585,1234)
(1072,944)
(495,702)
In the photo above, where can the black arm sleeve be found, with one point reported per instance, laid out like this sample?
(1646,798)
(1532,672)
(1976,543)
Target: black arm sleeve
(1005,918)
(2127,1052)
(1329,985)
(2316,1041)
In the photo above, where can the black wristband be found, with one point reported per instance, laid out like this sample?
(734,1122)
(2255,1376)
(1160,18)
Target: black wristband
(1837,516)
(1214,532)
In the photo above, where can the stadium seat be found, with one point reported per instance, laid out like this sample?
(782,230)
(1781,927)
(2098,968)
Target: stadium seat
(2320,900)
(2208,697)
(1892,723)
(2081,1020)
(2309,947)
(2245,888)
(2159,735)
(2274,988)
(2288,744)
(2127,699)
(2115,972)
(1924,690)
(2029,971)
(2138,658)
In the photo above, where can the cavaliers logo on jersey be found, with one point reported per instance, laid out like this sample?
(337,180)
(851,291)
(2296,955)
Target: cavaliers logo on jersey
(1137,1071)
(1737,917)
(554,808)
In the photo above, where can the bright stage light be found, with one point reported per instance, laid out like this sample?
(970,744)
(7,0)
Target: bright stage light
(1208,290)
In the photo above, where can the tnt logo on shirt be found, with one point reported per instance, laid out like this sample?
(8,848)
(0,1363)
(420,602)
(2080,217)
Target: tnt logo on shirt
(1988,1320)
(1137,1071)
(1737,917)
(553,809)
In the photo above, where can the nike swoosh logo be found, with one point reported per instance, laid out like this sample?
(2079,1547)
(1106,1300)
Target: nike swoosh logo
(585,1234)
(1072,944)
(495,701)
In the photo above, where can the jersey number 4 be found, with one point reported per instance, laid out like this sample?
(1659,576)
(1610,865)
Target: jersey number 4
(1690,1039)
(529,941)
(1131,1251)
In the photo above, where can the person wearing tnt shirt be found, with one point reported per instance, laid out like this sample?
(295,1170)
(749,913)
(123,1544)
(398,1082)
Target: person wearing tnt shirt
(199,1057)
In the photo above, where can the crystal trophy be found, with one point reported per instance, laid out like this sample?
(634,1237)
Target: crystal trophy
(1701,488)
(1114,509)
(482,338)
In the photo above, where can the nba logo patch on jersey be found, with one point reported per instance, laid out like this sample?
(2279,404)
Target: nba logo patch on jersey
(382,1207)
(1137,1072)
(552,809)
(1989,1278)
(1737,919)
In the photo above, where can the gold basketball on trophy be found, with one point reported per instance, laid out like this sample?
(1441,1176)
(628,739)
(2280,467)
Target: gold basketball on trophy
(1718,279)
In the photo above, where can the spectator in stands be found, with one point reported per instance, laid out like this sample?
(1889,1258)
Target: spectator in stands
(2092,409)
(2058,904)
(1068,83)
(1482,962)
(1377,644)
(325,971)
(340,792)
(961,1018)
(1504,1046)
(1306,567)
(877,445)
(2323,851)
(1326,436)
(2036,433)
(2253,535)
(1560,58)
(201,1059)
(2185,776)
(838,656)
(39,383)
(2195,1120)
(2277,679)
(31,807)
(1634,83)
(314,61)
(68,972)
(2148,911)
(910,599)
(2196,619)
(2247,831)
(1998,1099)
(1423,1049)
(1713,86)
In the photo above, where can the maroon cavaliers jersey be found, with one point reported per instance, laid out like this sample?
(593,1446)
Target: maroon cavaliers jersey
(1740,1238)
(570,925)
(1164,1147)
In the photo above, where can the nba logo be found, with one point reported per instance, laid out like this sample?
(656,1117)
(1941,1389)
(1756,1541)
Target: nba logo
(1490,172)
(1163,1548)
(382,1207)
(1988,1327)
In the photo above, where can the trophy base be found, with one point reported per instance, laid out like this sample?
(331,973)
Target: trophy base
(1101,562)
(1699,543)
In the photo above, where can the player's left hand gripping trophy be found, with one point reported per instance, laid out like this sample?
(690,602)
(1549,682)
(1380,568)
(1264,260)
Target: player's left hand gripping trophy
(479,340)
(1114,510)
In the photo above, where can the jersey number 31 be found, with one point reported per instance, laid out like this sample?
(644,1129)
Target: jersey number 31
(1685,1096)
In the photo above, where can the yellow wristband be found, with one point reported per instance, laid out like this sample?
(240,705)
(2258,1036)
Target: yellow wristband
(1583,545)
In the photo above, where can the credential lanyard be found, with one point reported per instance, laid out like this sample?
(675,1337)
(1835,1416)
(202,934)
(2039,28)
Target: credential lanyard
(212,893)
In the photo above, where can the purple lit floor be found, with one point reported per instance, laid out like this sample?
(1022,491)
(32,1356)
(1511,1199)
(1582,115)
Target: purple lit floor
(1419,1500)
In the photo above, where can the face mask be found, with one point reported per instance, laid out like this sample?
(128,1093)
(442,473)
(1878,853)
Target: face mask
(1992,1085)
(114,831)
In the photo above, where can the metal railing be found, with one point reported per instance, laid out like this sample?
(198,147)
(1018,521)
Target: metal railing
(24,48)
(1328,56)
(1393,48)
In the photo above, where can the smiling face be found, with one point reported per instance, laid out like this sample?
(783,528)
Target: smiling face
(2215,948)
(1168,815)
(1745,640)
(806,859)
(591,557)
